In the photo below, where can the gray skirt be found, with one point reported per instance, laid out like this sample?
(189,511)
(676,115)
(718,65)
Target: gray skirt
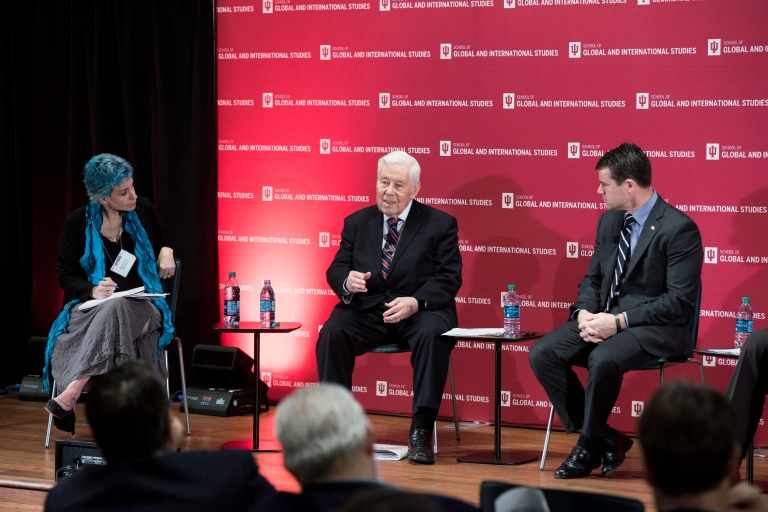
(100,338)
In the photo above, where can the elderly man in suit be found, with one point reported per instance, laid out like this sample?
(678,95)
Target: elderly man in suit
(634,304)
(328,446)
(397,272)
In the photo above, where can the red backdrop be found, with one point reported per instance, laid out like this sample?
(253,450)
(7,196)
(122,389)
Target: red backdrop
(507,105)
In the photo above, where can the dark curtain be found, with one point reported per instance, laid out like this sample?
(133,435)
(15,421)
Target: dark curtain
(78,78)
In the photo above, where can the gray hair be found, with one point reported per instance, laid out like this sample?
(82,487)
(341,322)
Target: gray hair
(322,428)
(402,158)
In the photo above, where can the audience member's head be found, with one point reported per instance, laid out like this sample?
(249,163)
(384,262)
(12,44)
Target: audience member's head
(130,415)
(325,435)
(690,451)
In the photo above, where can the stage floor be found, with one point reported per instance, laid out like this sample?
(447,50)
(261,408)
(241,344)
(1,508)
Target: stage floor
(26,464)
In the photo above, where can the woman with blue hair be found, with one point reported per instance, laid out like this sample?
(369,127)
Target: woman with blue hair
(113,243)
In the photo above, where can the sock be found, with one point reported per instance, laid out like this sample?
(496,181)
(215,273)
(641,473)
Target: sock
(590,444)
(424,417)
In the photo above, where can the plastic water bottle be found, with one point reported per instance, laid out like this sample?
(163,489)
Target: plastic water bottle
(743,322)
(267,304)
(512,312)
(231,301)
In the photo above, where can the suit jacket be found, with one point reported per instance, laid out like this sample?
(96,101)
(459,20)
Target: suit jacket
(662,279)
(426,265)
(189,481)
(332,496)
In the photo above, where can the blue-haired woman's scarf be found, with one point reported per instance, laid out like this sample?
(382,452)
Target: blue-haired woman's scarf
(93,264)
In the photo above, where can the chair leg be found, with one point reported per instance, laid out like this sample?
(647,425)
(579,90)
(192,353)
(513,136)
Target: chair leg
(50,419)
(184,384)
(453,399)
(168,376)
(546,439)
(434,434)
(661,372)
(701,370)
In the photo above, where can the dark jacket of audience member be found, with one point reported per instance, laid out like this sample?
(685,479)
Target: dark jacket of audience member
(131,420)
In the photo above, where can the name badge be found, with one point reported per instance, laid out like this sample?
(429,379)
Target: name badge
(123,263)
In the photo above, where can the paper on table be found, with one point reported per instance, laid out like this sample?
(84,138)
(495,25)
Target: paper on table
(483,331)
(389,452)
(95,302)
(726,351)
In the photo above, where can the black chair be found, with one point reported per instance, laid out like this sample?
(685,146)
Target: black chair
(170,286)
(396,348)
(659,363)
(560,500)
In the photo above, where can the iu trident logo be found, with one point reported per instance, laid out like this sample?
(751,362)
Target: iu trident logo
(574,50)
(325,239)
(710,255)
(641,103)
(709,361)
(509,100)
(509,4)
(445,148)
(445,51)
(574,150)
(266,193)
(267,7)
(266,100)
(325,146)
(384,5)
(507,200)
(325,52)
(572,250)
(713,151)
(713,47)
(505,398)
(383,100)
(637,409)
(381,388)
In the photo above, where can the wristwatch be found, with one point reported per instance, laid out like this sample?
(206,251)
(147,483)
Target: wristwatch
(424,304)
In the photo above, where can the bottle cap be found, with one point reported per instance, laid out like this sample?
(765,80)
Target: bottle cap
(232,274)
(745,299)
(511,287)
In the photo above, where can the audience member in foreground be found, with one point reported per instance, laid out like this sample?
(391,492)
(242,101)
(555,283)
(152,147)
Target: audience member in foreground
(690,452)
(328,446)
(131,420)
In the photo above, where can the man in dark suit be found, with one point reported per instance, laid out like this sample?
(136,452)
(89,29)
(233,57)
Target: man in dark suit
(137,432)
(397,272)
(328,446)
(635,303)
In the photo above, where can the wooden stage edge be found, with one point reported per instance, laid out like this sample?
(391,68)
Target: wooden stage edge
(27,468)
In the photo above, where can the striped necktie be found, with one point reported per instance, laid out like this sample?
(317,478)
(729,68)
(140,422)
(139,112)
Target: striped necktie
(623,259)
(388,251)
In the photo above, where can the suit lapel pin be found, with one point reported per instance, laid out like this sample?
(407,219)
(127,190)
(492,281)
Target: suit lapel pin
(653,228)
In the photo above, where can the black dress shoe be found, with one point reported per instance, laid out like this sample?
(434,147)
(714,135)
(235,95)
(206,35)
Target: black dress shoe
(614,448)
(578,464)
(420,446)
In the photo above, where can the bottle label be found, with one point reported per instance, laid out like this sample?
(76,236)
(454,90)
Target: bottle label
(744,326)
(267,305)
(512,312)
(231,307)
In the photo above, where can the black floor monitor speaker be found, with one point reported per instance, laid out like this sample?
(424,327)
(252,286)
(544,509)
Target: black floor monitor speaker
(32,389)
(74,453)
(216,402)
(228,368)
